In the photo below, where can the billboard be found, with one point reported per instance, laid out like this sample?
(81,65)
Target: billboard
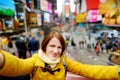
(92,4)
(44,5)
(39,21)
(67,9)
(81,18)
(94,16)
(49,7)
(46,17)
(7,7)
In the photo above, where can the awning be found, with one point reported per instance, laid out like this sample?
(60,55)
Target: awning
(7,7)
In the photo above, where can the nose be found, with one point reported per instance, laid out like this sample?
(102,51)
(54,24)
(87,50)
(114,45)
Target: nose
(55,50)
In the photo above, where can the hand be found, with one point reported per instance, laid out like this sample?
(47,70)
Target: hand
(1,46)
(119,71)
(1,60)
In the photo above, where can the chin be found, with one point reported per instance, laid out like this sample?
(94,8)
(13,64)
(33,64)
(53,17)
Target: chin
(53,59)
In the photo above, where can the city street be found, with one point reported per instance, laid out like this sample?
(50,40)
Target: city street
(84,55)
(88,56)
(90,28)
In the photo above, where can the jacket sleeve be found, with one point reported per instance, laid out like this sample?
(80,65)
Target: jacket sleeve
(15,66)
(97,72)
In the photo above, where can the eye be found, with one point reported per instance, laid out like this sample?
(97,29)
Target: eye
(60,47)
(52,45)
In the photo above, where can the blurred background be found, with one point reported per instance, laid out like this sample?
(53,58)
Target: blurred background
(91,28)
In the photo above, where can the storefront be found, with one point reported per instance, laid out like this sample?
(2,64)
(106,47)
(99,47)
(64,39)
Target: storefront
(7,13)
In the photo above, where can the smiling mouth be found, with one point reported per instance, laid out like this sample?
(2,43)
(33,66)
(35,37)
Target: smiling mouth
(54,55)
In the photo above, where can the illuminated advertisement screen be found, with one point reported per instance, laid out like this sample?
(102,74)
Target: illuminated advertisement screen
(44,5)
(50,7)
(93,16)
(92,4)
(46,17)
(8,24)
(67,9)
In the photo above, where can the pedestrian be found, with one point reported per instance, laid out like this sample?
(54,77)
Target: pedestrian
(11,46)
(67,41)
(73,42)
(21,47)
(51,63)
(98,48)
(33,45)
(4,41)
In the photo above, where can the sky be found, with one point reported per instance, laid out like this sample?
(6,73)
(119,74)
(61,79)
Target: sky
(60,5)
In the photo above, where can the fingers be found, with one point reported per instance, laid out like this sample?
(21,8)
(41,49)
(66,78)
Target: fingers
(1,60)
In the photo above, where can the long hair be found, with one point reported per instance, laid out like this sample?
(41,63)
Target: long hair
(48,37)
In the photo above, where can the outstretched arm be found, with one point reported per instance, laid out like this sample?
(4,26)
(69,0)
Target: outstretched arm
(103,72)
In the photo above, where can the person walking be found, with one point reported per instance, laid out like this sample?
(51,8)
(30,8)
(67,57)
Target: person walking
(11,46)
(98,48)
(33,45)
(21,47)
(51,63)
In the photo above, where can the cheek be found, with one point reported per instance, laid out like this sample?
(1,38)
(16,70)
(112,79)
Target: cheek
(48,49)
(60,52)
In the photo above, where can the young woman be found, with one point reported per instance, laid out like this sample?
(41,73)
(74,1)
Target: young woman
(51,63)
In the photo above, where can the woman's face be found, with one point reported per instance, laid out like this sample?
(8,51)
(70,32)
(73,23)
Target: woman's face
(54,49)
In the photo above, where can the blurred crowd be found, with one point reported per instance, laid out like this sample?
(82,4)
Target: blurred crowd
(20,46)
(108,44)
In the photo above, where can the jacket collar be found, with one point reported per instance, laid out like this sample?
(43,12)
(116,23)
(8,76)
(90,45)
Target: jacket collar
(41,63)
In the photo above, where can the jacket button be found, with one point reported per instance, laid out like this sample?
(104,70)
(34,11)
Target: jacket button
(44,70)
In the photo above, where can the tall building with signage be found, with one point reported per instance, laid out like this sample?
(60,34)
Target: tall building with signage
(67,10)
(7,13)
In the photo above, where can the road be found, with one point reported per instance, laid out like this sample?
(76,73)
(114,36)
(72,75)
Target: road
(88,56)
(84,55)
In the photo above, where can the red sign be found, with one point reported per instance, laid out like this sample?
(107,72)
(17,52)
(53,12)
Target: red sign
(92,4)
